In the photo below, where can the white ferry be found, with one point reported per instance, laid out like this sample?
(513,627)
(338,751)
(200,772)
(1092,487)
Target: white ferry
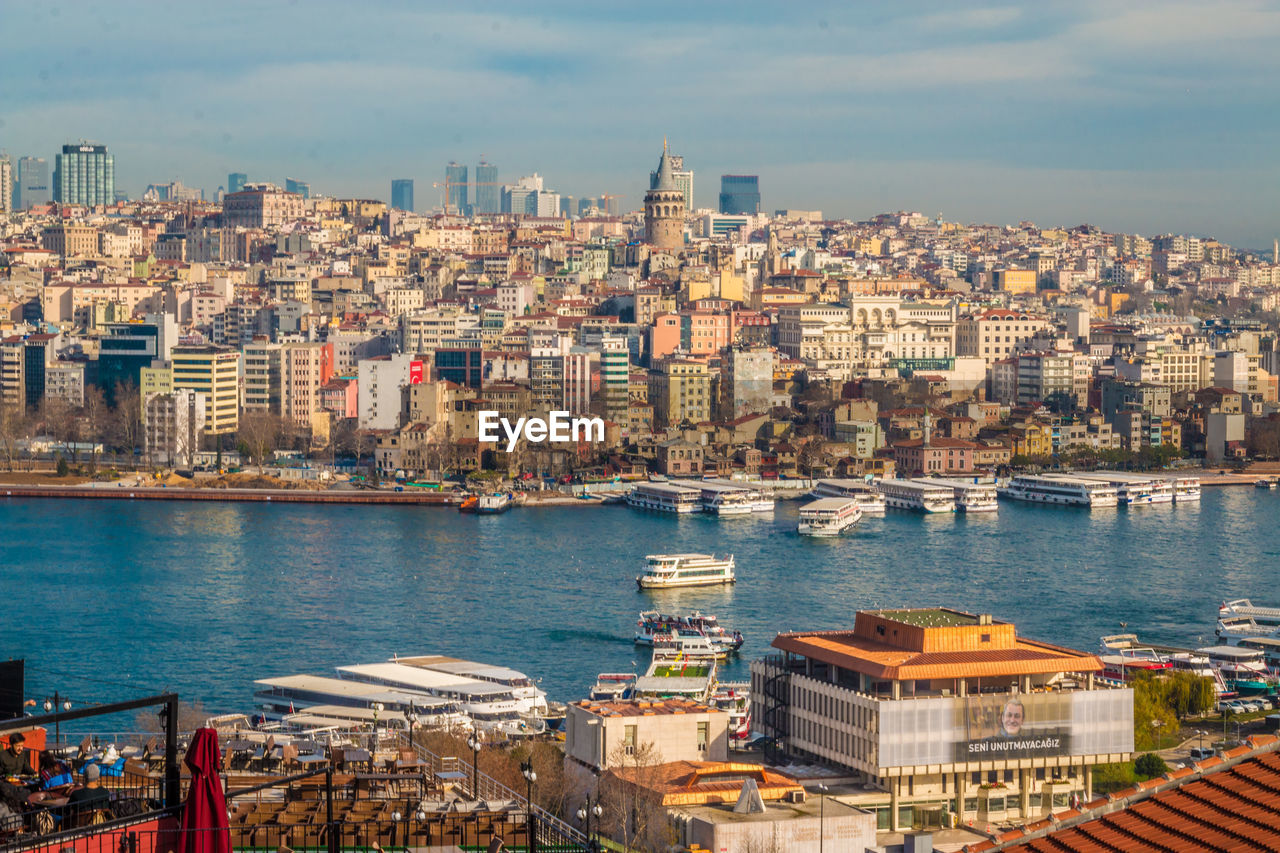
(869,500)
(685,669)
(1185,489)
(1133,489)
(611,686)
(353,702)
(734,698)
(1058,489)
(653,624)
(664,571)
(828,516)
(722,500)
(1242,619)
(521,685)
(917,495)
(970,496)
(491,707)
(666,497)
(759,501)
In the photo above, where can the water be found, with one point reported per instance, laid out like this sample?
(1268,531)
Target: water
(109,600)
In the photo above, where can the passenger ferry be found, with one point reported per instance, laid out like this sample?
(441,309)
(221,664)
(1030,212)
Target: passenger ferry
(759,501)
(521,685)
(1244,670)
(970,496)
(491,707)
(1242,619)
(870,502)
(828,516)
(653,624)
(1133,489)
(1123,667)
(277,698)
(666,497)
(734,698)
(917,495)
(663,571)
(1059,489)
(1179,660)
(1185,489)
(687,669)
(719,499)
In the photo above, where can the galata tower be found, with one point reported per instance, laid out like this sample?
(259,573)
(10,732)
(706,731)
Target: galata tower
(664,208)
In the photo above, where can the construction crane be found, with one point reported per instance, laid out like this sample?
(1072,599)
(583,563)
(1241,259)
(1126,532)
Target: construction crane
(449,185)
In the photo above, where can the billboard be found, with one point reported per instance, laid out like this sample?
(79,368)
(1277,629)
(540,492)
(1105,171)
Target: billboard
(415,373)
(1004,726)
(1022,726)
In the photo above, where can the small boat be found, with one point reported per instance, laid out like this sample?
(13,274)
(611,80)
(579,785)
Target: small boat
(734,697)
(611,686)
(494,504)
(1264,483)
(471,504)
(664,571)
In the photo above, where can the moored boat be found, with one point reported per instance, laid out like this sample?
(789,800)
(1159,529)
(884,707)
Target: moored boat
(828,516)
(653,625)
(494,504)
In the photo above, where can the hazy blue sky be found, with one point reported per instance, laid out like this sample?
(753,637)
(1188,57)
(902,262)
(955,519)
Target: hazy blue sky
(1134,116)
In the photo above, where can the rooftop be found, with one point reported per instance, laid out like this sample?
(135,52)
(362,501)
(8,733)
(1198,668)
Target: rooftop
(645,707)
(930,617)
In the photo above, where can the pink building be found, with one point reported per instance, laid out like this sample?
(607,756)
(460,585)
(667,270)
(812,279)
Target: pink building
(339,397)
(665,336)
(939,456)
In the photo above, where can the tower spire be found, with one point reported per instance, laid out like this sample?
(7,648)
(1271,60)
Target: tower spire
(664,143)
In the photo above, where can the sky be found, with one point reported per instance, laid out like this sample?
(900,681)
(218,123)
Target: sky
(1146,117)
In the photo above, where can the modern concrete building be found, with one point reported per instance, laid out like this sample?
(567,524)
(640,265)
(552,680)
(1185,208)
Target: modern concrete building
(750,386)
(402,194)
(601,735)
(84,173)
(214,372)
(936,710)
(740,195)
(33,182)
(680,390)
(173,426)
(6,184)
(997,333)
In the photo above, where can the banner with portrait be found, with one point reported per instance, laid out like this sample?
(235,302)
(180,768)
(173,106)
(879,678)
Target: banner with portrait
(1000,726)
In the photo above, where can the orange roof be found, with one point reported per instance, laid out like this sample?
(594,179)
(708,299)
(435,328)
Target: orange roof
(697,783)
(645,707)
(1237,808)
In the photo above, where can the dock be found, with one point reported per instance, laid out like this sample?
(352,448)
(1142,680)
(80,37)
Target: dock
(296,496)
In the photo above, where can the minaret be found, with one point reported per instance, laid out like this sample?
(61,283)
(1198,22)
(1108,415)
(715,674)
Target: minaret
(1275,253)
(664,208)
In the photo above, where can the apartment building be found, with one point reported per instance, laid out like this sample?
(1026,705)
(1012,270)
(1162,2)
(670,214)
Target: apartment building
(680,390)
(997,333)
(215,373)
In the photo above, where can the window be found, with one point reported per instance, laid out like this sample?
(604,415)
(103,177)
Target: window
(702,736)
(629,740)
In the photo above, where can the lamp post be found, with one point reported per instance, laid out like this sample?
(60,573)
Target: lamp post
(526,770)
(54,704)
(413,718)
(585,812)
(373,752)
(395,828)
(1200,733)
(822,814)
(474,742)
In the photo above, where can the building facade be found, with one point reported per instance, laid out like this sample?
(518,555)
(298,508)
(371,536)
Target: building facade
(402,194)
(84,173)
(215,373)
(173,426)
(740,195)
(664,208)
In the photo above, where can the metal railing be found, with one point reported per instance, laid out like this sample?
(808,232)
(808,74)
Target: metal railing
(552,831)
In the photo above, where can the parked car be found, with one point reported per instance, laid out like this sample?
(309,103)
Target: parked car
(1200,753)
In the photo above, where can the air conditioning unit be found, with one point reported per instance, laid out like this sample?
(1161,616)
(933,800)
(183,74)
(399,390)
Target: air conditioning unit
(797,797)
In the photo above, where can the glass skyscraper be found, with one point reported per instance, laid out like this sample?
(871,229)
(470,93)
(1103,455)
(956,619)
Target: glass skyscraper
(84,173)
(740,195)
(488,194)
(455,178)
(236,181)
(402,194)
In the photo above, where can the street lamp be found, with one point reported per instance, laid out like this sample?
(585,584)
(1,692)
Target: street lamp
(585,812)
(1200,733)
(57,702)
(526,770)
(395,827)
(474,742)
(413,718)
(822,814)
(377,708)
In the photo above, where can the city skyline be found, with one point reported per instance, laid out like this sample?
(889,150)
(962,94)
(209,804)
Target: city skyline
(1152,119)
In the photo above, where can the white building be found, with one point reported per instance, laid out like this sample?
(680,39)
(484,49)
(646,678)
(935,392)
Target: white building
(380,384)
(173,425)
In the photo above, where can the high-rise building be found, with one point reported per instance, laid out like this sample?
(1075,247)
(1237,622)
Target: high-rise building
(664,207)
(740,194)
(213,371)
(455,179)
(682,176)
(6,184)
(302,188)
(402,194)
(33,182)
(84,173)
(488,197)
(236,181)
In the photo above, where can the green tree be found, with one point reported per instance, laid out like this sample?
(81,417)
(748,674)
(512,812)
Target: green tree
(1150,765)
(63,468)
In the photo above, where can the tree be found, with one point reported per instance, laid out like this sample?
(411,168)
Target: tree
(95,414)
(1150,765)
(61,423)
(14,426)
(63,468)
(633,812)
(259,434)
(126,421)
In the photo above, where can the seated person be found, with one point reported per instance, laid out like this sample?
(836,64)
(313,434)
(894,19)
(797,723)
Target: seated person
(14,763)
(91,796)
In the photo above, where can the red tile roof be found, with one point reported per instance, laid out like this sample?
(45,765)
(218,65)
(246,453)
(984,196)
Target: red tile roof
(1231,809)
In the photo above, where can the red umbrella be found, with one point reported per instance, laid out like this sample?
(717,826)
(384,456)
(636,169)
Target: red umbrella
(204,819)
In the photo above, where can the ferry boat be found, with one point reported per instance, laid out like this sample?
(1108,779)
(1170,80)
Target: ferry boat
(1244,670)
(1133,489)
(521,685)
(917,495)
(828,516)
(340,699)
(1123,667)
(686,669)
(491,707)
(1059,489)
(1242,619)
(666,497)
(1185,489)
(663,571)
(653,624)
(1179,660)
(734,698)
(722,500)
(970,496)
(870,502)
(758,500)
(611,686)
